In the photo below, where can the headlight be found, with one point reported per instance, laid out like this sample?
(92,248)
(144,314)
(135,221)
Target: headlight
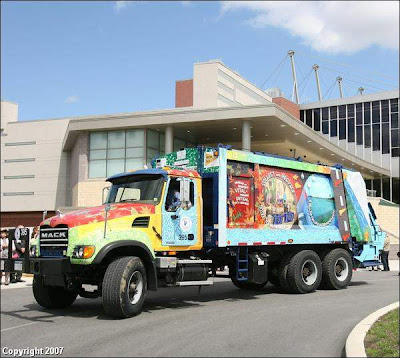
(83,252)
(33,250)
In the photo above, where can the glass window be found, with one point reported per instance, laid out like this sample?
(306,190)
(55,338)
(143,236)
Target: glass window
(394,105)
(375,112)
(146,189)
(350,130)
(162,142)
(350,110)
(98,140)
(377,186)
(395,190)
(395,137)
(317,120)
(302,116)
(333,112)
(367,136)
(134,152)
(376,137)
(334,128)
(116,139)
(152,153)
(179,144)
(325,127)
(153,139)
(385,138)
(385,111)
(325,114)
(395,152)
(98,154)
(367,113)
(309,117)
(135,138)
(108,151)
(395,120)
(116,153)
(359,113)
(342,129)
(134,163)
(342,111)
(115,166)
(359,131)
(97,169)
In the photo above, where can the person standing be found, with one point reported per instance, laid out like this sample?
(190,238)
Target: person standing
(385,253)
(20,250)
(4,255)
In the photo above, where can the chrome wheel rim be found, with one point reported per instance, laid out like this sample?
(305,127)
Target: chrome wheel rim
(309,272)
(341,269)
(135,287)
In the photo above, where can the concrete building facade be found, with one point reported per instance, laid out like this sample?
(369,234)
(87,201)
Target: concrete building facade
(61,164)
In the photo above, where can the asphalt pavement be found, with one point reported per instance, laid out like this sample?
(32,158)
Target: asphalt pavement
(220,321)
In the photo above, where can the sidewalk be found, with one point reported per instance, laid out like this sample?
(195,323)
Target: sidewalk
(28,283)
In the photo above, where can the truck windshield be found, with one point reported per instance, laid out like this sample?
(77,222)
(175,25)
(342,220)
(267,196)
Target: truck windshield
(144,189)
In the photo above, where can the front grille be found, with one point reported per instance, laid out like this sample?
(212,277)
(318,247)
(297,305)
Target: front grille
(53,240)
(142,221)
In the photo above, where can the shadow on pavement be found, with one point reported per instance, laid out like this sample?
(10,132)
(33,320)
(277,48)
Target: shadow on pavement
(164,298)
(358,283)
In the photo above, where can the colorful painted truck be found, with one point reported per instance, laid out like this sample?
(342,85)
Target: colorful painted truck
(297,225)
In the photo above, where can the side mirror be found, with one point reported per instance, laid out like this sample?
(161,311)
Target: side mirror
(104,194)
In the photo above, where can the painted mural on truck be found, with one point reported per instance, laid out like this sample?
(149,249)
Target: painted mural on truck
(275,198)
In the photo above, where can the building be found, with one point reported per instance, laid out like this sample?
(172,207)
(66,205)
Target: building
(61,164)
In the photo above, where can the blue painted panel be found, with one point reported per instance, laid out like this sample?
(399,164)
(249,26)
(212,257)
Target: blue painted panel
(311,236)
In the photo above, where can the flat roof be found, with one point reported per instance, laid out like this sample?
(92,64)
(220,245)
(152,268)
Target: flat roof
(353,99)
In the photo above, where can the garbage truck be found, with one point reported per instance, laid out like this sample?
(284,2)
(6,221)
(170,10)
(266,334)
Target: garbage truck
(297,225)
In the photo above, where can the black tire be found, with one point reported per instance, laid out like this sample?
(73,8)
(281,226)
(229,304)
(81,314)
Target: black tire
(51,296)
(245,285)
(120,287)
(337,270)
(282,271)
(273,275)
(304,272)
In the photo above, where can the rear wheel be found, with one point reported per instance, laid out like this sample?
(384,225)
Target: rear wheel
(337,269)
(273,275)
(51,296)
(124,287)
(304,272)
(282,271)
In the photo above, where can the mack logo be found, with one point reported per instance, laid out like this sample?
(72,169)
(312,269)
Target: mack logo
(54,235)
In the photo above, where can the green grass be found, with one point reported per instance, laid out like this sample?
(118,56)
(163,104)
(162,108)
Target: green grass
(382,339)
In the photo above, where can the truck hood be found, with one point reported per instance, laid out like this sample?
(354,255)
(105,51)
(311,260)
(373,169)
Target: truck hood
(98,214)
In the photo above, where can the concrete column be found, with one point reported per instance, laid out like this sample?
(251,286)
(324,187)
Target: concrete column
(246,135)
(169,139)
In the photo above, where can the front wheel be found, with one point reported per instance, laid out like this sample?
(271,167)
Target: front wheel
(51,296)
(124,287)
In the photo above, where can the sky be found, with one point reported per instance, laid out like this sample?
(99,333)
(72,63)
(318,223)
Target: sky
(64,59)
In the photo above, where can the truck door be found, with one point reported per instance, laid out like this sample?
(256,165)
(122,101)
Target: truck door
(180,221)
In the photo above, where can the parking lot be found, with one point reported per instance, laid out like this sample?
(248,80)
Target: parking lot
(220,321)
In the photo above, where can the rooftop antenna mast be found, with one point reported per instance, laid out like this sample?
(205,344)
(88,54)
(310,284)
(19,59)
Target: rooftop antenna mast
(295,89)
(361,90)
(315,68)
(339,81)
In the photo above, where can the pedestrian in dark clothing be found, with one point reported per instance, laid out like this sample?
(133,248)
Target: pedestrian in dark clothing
(385,254)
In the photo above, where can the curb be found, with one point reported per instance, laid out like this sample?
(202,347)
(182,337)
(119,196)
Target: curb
(355,341)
